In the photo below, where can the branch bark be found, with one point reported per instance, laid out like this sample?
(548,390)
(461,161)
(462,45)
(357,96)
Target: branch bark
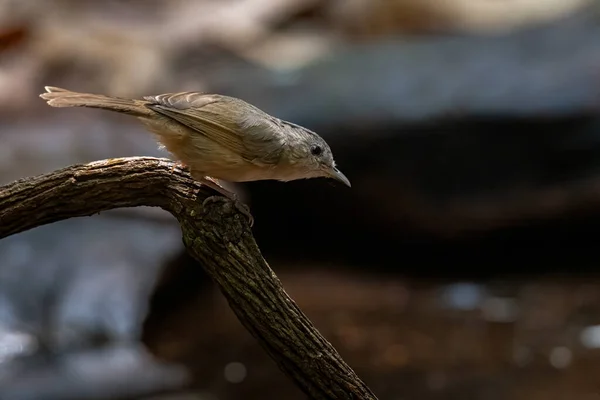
(217,235)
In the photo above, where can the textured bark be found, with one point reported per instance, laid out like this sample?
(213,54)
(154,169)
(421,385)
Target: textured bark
(216,235)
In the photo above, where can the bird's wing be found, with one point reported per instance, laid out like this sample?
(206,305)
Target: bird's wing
(222,120)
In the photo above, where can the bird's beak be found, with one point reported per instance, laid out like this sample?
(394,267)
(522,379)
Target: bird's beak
(338,176)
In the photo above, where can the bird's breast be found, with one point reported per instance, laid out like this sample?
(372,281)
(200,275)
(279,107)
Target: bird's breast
(248,173)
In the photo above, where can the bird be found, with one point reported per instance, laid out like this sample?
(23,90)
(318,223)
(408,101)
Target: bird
(219,137)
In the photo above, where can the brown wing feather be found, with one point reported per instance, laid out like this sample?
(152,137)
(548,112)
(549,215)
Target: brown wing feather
(233,123)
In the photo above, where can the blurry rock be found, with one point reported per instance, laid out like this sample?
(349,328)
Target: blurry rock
(83,281)
(74,296)
(117,371)
(14,344)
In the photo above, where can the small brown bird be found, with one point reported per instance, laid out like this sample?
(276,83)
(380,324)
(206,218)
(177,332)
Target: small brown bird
(219,136)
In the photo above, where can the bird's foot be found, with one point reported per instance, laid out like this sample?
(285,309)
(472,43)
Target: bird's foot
(241,207)
(227,196)
(178,164)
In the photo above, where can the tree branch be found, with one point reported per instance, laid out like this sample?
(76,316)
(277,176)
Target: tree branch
(217,235)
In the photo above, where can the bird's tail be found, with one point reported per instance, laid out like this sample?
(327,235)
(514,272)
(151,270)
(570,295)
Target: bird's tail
(57,97)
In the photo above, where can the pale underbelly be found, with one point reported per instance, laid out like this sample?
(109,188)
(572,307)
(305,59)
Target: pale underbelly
(250,173)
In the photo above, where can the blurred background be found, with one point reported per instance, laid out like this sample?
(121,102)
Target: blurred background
(462,264)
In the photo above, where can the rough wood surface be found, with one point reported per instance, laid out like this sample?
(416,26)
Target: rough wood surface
(216,235)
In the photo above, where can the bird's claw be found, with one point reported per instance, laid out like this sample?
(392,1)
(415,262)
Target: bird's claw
(241,207)
(178,164)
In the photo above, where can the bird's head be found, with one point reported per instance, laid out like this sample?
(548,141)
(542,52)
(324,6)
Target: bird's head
(310,154)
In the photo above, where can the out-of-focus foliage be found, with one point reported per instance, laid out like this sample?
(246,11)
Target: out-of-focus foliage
(131,47)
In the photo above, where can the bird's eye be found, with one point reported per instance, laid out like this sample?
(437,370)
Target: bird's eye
(316,150)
